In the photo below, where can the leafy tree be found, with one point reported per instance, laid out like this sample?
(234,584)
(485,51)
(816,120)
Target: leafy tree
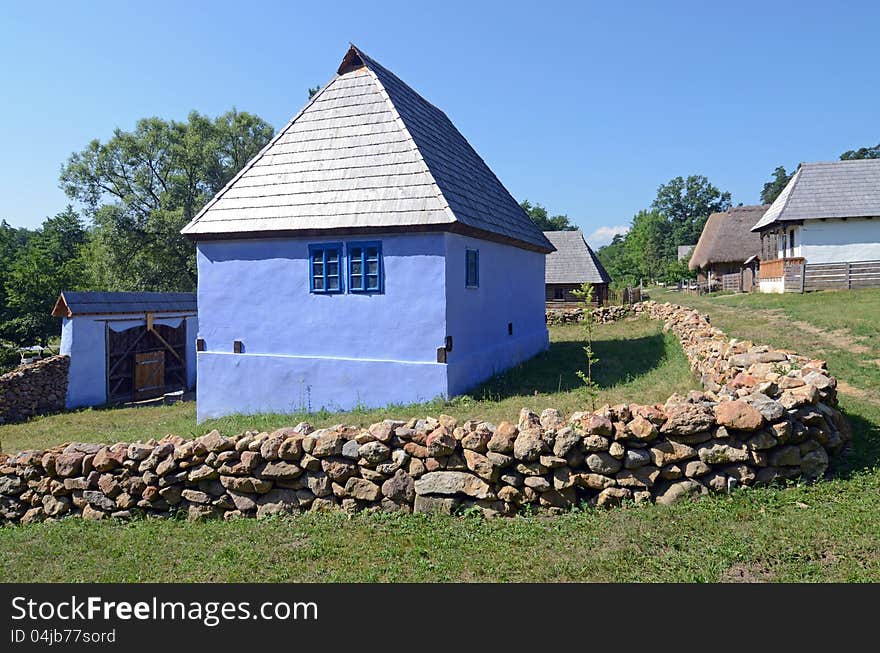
(862,153)
(141,187)
(649,250)
(775,186)
(12,241)
(539,216)
(687,204)
(47,264)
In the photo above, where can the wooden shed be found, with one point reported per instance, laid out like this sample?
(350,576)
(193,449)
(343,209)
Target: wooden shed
(572,264)
(127,346)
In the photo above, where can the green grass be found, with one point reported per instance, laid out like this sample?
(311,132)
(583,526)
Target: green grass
(821,532)
(824,532)
(637,361)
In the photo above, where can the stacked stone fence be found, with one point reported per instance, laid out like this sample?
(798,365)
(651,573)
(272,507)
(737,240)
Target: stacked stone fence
(764,415)
(601,314)
(34,389)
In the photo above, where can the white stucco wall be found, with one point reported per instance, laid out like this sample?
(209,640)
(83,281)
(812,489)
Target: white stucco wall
(837,241)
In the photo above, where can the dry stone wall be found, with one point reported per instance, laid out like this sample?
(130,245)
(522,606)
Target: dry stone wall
(34,389)
(763,415)
(601,314)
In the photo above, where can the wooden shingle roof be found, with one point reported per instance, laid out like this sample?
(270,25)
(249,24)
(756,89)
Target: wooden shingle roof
(834,189)
(367,152)
(72,303)
(726,237)
(573,261)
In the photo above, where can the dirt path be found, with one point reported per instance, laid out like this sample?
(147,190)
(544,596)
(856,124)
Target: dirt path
(840,338)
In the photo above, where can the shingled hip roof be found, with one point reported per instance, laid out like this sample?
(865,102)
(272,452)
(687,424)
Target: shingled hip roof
(573,261)
(367,153)
(727,237)
(834,189)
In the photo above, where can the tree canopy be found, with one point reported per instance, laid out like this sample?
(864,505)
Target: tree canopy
(649,250)
(141,187)
(872,152)
(687,204)
(36,267)
(545,222)
(776,185)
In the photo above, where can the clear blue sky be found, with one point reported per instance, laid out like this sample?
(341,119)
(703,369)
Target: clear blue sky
(584,107)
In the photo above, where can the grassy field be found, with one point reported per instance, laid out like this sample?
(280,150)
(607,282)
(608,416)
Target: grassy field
(821,532)
(636,361)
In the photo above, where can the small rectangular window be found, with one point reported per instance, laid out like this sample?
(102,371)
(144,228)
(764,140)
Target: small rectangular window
(791,242)
(558,294)
(472,268)
(365,267)
(325,275)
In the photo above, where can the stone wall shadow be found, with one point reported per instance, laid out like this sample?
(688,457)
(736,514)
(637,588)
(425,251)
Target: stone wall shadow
(864,450)
(556,369)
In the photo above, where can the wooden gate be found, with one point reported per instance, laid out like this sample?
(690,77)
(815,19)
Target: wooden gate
(748,280)
(149,374)
(145,362)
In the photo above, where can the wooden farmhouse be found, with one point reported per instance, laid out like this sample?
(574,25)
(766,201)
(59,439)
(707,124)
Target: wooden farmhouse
(127,346)
(366,256)
(823,231)
(725,244)
(572,264)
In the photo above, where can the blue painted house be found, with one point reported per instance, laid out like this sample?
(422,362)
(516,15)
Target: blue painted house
(366,257)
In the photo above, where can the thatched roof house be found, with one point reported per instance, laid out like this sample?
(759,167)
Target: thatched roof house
(726,242)
(572,264)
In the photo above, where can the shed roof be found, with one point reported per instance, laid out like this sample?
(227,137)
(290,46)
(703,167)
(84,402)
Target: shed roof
(367,152)
(727,237)
(833,189)
(72,303)
(573,261)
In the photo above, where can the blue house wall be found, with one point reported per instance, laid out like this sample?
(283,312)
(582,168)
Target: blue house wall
(84,339)
(304,351)
(509,297)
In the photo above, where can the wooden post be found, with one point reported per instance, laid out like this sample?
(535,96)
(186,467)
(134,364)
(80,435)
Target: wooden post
(803,275)
(848,275)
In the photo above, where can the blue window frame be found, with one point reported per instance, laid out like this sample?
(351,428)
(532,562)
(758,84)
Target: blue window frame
(325,268)
(472,268)
(365,267)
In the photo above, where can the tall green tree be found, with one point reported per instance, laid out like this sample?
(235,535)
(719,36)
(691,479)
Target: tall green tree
(546,222)
(649,250)
(775,186)
(142,186)
(687,204)
(48,263)
(862,153)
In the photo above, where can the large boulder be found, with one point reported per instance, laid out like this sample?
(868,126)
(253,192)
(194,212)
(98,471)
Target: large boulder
(450,483)
(738,415)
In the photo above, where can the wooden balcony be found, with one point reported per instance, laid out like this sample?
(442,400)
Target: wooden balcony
(775,268)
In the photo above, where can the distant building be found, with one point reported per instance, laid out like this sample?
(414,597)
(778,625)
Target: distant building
(366,257)
(828,213)
(127,346)
(726,243)
(572,264)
